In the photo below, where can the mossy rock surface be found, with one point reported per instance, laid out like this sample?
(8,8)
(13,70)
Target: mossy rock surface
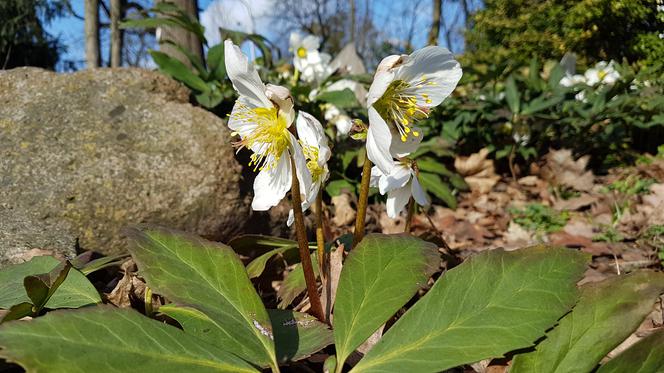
(83,155)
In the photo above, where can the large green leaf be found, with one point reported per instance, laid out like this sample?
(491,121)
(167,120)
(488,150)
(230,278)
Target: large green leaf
(645,356)
(378,278)
(607,313)
(294,284)
(512,95)
(493,303)
(256,267)
(76,291)
(434,184)
(296,335)
(209,276)
(179,71)
(342,99)
(105,339)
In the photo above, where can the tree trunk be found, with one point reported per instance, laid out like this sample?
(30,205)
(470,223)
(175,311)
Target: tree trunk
(116,33)
(352,20)
(185,39)
(434,32)
(92,56)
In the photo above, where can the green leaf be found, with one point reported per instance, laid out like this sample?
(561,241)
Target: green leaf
(256,267)
(431,165)
(645,356)
(209,276)
(493,303)
(434,184)
(378,278)
(541,103)
(178,71)
(294,284)
(341,99)
(215,61)
(512,95)
(76,291)
(607,313)
(296,335)
(40,288)
(109,339)
(336,187)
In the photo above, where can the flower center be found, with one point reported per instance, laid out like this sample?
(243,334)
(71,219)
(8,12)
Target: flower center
(268,140)
(301,52)
(601,74)
(398,106)
(311,155)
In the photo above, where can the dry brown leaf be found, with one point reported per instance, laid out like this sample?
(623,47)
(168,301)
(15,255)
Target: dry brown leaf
(333,271)
(562,170)
(344,213)
(575,203)
(517,235)
(478,171)
(578,227)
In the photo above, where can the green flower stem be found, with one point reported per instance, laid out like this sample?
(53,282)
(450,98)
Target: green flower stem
(320,237)
(303,244)
(362,202)
(409,217)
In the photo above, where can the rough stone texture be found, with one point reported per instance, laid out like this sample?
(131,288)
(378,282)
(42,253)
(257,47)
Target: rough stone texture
(83,155)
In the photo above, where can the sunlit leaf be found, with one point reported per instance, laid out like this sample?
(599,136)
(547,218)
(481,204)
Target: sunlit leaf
(378,278)
(493,303)
(607,313)
(106,339)
(645,356)
(209,276)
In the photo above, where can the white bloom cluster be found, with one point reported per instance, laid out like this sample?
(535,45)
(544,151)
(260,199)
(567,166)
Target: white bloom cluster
(602,73)
(313,65)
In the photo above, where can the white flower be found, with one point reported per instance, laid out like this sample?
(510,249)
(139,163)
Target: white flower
(571,80)
(339,118)
(603,72)
(317,153)
(404,90)
(399,184)
(312,64)
(261,117)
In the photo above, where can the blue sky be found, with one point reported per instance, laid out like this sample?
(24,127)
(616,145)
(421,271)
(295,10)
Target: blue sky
(70,29)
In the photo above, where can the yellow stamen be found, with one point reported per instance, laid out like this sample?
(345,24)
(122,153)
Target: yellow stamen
(269,139)
(311,155)
(400,105)
(301,52)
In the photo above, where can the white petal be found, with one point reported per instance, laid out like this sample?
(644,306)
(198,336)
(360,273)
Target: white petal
(418,193)
(400,148)
(376,175)
(271,185)
(295,41)
(240,110)
(396,201)
(379,140)
(343,124)
(281,96)
(381,81)
(303,174)
(396,179)
(309,130)
(244,76)
(291,218)
(311,42)
(438,66)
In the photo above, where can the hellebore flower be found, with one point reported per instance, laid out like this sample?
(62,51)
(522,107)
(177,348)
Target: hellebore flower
(400,184)
(261,117)
(317,153)
(572,80)
(312,64)
(603,72)
(404,90)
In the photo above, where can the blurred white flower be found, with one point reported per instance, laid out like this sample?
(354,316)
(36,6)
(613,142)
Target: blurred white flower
(571,80)
(261,117)
(400,184)
(339,118)
(404,90)
(603,72)
(581,96)
(317,153)
(314,66)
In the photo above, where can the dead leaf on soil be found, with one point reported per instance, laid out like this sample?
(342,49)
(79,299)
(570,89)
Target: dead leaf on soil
(561,169)
(478,171)
(344,213)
